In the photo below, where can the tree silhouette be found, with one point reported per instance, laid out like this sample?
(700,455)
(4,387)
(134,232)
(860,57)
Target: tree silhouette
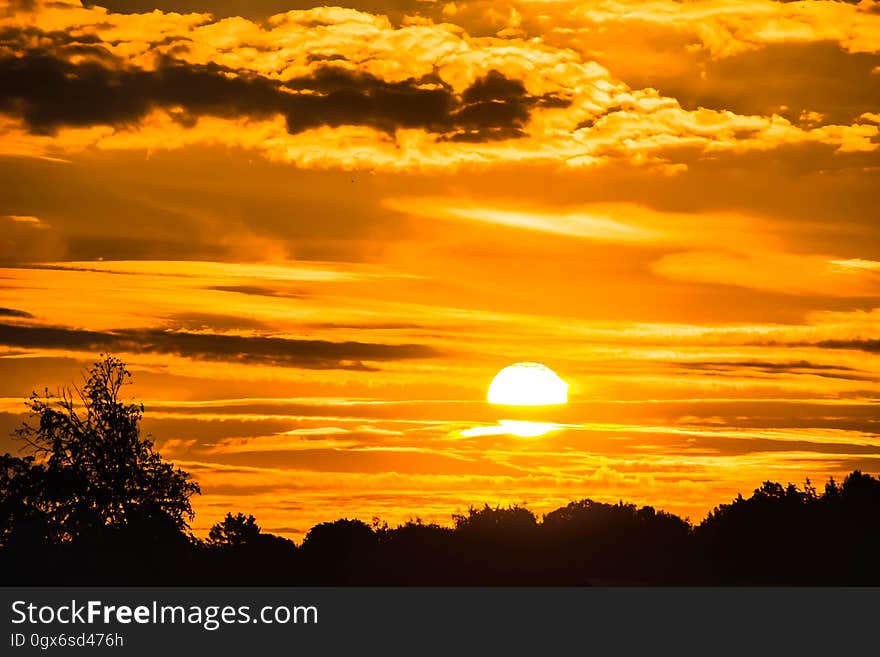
(234,531)
(349,535)
(785,535)
(89,469)
(594,540)
(340,552)
(495,521)
(24,520)
(238,547)
(501,540)
(418,553)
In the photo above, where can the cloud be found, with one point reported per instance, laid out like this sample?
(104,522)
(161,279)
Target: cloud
(856,265)
(740,367)
(202,322)
(725,29)
(262,9)
(259,291)
(597,223)
(869,345)
(779,271)
(26,220)
(773,79)
(12,312)
(309,84)
(732,446)
(257,350)
(707,247)
(48,93)
(198,269)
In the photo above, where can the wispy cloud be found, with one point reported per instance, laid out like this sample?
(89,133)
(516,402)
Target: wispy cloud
(12,312)
(248,349)
(27,220)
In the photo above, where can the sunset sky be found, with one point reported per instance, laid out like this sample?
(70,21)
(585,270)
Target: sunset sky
(316,233)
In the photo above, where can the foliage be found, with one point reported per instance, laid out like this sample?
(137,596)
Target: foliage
(497,520)
(234,531)
(89,469)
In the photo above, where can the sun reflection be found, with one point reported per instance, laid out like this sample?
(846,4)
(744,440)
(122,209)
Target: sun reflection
(518,428)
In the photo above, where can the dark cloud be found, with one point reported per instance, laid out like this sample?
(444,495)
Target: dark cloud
(309,354)
(769,367)
(787,79)
(22,5)
(12,312)
(738,446)
(496,107)
(50,92)
(871,346)
(127,247)
(259,291)
(57,40)
(346,98)
(493,107)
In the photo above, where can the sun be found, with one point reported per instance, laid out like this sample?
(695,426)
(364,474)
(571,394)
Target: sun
(527,384)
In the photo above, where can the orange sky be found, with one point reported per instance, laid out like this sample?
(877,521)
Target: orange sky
(316,233)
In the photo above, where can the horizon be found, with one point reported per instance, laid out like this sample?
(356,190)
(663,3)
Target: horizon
(316,234)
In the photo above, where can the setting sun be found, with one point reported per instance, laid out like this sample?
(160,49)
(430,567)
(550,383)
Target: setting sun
(527,384)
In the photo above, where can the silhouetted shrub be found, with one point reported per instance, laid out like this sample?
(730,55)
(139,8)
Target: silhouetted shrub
(593,540)
(340,552)
(237,547)
(417,553)
(234,531)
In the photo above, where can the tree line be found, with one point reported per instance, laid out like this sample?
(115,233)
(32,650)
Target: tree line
(93,502)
